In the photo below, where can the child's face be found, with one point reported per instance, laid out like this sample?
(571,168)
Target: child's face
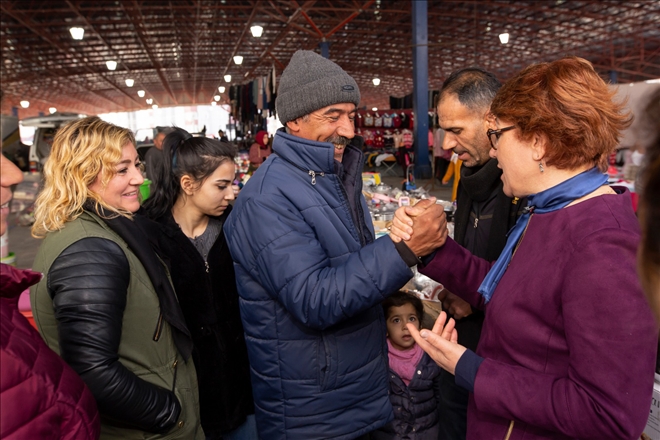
(397,331)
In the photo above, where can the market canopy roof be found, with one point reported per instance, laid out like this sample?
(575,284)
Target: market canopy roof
(179,51)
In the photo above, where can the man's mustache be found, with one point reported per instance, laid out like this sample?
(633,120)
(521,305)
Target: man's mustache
(338,140)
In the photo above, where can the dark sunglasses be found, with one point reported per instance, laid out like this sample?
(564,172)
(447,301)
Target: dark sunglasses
(494,135)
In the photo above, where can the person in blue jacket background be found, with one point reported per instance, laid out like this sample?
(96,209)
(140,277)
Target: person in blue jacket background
(310,274)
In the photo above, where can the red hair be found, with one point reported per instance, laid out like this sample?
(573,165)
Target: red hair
(568,103)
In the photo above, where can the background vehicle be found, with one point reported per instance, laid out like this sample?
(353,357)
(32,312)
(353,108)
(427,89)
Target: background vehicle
(46,126)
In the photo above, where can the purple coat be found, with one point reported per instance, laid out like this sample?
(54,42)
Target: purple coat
(569,341)
(41,397)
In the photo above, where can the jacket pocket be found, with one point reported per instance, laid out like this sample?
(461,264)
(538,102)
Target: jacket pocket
(176,370)
(159,327)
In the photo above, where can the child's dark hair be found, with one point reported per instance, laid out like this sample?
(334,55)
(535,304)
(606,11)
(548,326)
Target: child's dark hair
(400,298)
(197,157)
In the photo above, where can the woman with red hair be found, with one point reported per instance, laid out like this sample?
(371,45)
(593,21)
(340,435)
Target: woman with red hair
(568,344)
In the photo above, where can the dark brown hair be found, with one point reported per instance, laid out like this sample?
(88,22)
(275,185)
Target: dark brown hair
(400,298)
(570,105)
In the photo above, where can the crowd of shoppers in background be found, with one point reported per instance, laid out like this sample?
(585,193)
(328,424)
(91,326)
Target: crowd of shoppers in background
(278,315)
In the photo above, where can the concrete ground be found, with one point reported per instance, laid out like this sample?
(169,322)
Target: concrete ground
(24,246)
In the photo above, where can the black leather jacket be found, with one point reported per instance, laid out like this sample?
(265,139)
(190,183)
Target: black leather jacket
(88,283)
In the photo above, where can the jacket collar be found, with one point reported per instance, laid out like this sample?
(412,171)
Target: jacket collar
(314,156)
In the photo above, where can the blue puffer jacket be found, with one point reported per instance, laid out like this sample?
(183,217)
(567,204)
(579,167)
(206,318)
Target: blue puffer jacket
(311,279)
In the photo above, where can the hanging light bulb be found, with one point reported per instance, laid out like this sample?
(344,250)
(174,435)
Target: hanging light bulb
(25,104)
(374,109)
(77,33)
(256,31)
(376,81)
(150,101)
(52,110)
(228,78)
(129,82)
(221,89)
(112,65)
(141,93)
(217,97)
(504,38)
(238,59)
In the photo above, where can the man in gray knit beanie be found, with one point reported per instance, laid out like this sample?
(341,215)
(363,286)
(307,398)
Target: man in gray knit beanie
(314,89)
(310,273)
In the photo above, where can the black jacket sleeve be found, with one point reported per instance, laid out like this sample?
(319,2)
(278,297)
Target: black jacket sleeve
(88,283)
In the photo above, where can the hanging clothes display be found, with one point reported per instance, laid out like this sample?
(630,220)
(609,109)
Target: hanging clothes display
(252,103)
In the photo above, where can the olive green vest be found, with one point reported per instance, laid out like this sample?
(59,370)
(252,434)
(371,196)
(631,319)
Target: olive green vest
(146,347)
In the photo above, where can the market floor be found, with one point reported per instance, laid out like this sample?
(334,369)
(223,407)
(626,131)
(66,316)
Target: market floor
(24,246)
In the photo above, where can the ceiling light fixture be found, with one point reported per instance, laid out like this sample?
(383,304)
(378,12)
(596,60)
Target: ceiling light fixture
(256,31)
(238,59)
(217,97)
(52,110)
(141,93)
(374,109)
(150,101)
(25,104)
(155,106)
(221,89)
(112,65)
(228,78)
(504,38)
(129,82)
(77,33)
(376,81)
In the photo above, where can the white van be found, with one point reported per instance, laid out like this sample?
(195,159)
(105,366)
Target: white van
(46,126)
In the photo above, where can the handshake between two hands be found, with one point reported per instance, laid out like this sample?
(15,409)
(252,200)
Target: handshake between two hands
(422,227)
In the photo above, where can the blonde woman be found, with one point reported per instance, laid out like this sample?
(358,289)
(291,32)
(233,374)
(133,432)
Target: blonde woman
(105,303)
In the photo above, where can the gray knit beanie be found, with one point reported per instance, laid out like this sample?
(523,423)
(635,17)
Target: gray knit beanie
(311,82)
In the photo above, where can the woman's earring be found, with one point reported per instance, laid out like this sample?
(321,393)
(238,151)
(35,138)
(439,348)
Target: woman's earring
(541,166)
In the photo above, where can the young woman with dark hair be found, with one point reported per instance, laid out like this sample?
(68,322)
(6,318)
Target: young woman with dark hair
(191,204)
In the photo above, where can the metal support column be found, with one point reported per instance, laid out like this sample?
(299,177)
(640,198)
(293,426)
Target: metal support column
(325,49)
(421,88)
(614,77)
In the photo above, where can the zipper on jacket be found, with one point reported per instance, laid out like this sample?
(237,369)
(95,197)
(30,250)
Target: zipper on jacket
(508,433)
(309,172)
(159,326)
(174,366)
(313,174)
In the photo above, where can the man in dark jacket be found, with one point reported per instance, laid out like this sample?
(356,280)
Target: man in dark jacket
(484,213)
(310,274)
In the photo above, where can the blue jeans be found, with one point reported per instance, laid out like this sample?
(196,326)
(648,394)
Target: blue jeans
(247,431)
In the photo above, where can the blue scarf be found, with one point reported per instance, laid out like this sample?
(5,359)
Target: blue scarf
(549,200)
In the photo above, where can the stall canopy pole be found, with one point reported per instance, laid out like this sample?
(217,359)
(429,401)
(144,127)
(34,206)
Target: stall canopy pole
(325,49)
(421,88)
